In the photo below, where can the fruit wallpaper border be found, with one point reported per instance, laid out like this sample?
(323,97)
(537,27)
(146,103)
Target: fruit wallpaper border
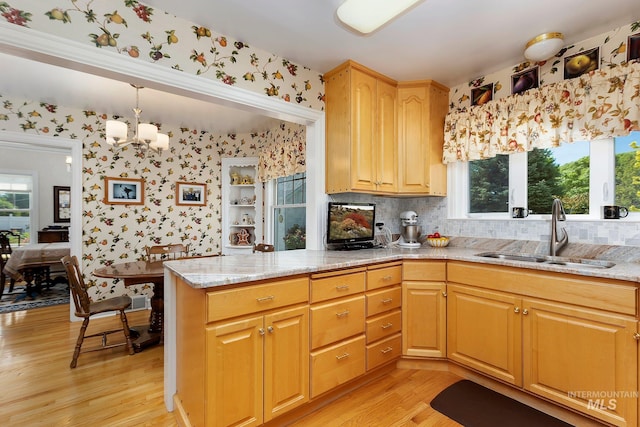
(612,47)
(119,233)
(143,33)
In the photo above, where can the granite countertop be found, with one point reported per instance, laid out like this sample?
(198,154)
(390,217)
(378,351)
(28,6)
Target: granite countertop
(225,270)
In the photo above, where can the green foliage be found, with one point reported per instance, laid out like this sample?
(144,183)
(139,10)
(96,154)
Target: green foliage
(575,182)
(543,182)
(489,191)
(628,180)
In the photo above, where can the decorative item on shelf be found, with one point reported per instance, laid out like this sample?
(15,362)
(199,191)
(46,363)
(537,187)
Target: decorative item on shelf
(243,237)
(246,219)
(145,138)
(247,180)
(235,178)
(233,238)
(245,201)
(543,47)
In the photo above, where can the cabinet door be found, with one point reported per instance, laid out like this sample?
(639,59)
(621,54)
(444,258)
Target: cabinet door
(570,352)
(484,331)
(422,108)
(386,144)
(424,321)
(286,362)
(234,373)
(412,135)
(363,131)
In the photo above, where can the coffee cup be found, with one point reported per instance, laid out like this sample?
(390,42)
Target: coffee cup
(614,212)
(519,212)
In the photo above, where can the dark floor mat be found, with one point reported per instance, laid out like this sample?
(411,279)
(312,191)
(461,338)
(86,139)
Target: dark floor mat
(473,405)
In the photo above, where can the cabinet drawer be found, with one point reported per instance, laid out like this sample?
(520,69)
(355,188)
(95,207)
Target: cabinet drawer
(383,326)
(383,277)
(336,286)
(384,351)
(384,300)
(252,299)
(424,270)
(336,320)
(336,365)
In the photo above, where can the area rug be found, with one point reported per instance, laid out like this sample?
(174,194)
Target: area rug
(19,300)
(473,405)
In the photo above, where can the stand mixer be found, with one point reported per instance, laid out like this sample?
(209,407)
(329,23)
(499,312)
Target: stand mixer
(410,230)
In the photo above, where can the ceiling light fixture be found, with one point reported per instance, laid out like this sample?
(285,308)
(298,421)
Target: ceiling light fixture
(145,138)
(543,47)
(366,16)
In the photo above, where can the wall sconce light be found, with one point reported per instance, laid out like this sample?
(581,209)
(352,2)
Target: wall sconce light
(366,16)
(68,160)
(543,47)
(145,138)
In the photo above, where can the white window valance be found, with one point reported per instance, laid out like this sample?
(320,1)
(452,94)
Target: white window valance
(601,104)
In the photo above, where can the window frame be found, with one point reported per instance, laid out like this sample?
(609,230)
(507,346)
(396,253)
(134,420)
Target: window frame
(271,204)
(601,186)
(34,207)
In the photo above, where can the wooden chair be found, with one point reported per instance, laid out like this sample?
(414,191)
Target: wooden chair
(5,254)
(167,252)
(263,247)
(85,309)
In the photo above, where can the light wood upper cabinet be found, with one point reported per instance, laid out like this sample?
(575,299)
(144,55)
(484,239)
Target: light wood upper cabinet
(383,136)
(361,131)
(422,107)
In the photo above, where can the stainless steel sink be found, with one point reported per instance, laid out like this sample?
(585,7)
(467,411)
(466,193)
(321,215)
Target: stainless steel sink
(552,260)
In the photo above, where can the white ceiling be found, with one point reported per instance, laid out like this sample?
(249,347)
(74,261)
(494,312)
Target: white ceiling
(448,41)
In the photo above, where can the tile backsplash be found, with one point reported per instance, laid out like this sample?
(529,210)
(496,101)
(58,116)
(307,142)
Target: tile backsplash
(432,214)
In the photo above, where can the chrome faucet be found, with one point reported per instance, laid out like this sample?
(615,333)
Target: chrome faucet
(557,214)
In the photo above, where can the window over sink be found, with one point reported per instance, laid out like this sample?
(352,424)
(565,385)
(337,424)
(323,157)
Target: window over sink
(584,175)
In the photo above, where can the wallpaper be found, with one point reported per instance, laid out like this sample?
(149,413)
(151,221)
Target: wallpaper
(605,50)
(119,233)
(143,33)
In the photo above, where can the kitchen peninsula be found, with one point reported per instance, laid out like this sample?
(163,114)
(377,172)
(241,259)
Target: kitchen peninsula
(228,311)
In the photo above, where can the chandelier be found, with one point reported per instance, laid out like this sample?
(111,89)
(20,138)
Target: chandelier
(145,138)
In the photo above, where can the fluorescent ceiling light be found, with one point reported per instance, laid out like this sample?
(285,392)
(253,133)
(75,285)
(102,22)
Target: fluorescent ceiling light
(366,16)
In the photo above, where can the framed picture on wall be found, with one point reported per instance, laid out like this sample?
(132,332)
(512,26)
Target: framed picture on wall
(123,191)
(524,80)
(61,204)
(582,62)
(191,194)
(481,95)
(633,47)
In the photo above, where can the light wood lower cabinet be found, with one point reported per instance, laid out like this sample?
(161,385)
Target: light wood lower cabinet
(584,359)
(424,319)
(581,357)
(257,367)
(424,309)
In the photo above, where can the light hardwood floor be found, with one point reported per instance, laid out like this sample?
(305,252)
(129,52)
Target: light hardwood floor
(111,388)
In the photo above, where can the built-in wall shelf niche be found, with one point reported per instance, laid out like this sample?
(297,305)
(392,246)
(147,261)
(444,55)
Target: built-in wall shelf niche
(241,205)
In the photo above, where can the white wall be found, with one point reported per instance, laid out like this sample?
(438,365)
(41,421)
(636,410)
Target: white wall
(51,169)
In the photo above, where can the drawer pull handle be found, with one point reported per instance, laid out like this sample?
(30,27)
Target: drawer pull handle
(387,278)
(342,356)
(386,350)
(264,299)
(516,310)
(342,288)
(387,326)
(387,301)
(343,314)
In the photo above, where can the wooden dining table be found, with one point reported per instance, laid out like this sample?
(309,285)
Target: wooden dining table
(135,273)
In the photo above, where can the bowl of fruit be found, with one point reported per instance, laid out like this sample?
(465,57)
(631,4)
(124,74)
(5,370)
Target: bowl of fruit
(437,241)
